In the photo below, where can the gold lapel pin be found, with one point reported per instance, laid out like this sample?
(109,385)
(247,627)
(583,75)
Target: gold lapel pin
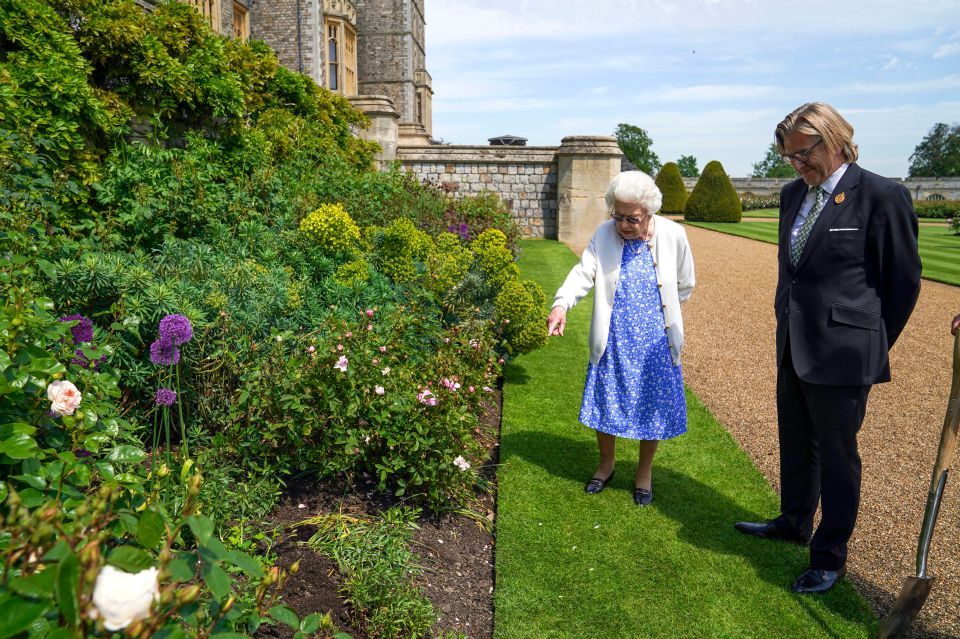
(840,198)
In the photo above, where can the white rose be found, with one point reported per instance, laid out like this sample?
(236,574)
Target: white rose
(124,597)
(64,397)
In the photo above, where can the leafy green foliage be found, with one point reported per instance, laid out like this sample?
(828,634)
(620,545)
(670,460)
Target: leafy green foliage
(940,209)
(332,229)
(688,166)
(636,146)
(378,570)
(670,183)
(938,154)
(713,198)
(752,202)
(151,167)
(773,166)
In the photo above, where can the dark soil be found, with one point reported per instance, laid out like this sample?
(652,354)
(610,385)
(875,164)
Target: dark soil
(455,551)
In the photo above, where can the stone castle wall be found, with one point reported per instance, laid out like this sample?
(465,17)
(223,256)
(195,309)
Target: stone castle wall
(276,23)
(525,177)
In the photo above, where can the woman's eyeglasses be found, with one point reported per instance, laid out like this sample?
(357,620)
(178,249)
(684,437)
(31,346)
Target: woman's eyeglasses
(800,156)
(632,221)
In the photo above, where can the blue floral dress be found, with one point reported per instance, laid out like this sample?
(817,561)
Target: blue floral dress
(635,391)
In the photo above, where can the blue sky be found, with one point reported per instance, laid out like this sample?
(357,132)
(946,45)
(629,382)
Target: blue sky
(708,78)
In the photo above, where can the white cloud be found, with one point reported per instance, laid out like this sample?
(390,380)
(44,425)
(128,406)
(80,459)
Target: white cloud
(947,50)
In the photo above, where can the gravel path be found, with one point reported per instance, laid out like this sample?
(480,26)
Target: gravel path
(729,361)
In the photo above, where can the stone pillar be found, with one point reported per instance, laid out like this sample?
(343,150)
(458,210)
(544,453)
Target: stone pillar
(383,128)
(585,166)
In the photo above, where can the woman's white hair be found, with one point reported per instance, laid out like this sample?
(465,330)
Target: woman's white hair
(634,187)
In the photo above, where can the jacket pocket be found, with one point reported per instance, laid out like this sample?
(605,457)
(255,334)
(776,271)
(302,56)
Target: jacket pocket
(853,316)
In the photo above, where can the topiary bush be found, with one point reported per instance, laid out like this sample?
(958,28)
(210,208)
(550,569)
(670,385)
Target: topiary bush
(670,183)
(713,199)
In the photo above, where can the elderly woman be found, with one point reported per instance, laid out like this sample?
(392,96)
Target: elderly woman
(642,268)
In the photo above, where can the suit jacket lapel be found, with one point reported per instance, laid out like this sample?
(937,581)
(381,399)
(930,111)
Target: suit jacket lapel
(821,228)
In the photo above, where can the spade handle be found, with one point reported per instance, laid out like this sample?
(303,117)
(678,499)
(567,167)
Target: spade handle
(948,445)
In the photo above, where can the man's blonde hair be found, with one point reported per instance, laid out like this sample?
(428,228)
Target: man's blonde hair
(822,120)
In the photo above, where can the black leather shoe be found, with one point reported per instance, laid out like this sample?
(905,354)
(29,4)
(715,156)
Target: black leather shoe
(768,530)
(642,496)
(815,582)
(595,485)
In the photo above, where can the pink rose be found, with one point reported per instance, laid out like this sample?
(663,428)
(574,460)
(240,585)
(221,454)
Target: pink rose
(369,312)
(64,398)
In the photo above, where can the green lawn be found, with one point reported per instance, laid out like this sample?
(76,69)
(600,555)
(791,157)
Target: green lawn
(774,213)
(939,248)
(571,565)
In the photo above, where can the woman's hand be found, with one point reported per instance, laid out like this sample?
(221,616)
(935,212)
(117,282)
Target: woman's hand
(556,321)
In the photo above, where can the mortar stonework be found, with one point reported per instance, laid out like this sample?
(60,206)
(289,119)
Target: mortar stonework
(525,177)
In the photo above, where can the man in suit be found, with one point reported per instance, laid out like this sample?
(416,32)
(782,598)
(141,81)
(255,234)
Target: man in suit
(849,276)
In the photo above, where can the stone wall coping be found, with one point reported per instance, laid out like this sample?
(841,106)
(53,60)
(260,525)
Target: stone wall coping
(447,154)
(589,145)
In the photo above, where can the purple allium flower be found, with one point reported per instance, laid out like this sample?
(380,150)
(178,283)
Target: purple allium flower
(82,332)
(177,328)
(163,352)
(165,397)
(461,229)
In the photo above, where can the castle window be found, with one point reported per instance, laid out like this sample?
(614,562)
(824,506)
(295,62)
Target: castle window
(209,9)
(341,57)
(241,22)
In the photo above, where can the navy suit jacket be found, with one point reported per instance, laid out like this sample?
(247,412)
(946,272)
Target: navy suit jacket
(855,284)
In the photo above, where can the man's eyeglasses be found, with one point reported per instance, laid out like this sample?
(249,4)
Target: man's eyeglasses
(632,221)
(802,155)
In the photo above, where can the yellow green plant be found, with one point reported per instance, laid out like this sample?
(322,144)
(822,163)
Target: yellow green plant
(332,228)
(494,258)
(448,263)
(402,245)
(520,310)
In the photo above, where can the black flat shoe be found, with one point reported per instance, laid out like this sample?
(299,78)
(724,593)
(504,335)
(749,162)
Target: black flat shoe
(595,485)
(815,582)
(642,496)
(769,530)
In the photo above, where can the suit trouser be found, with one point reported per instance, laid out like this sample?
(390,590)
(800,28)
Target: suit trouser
(819,461)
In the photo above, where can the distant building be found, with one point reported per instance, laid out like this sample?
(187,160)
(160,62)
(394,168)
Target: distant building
(352,47)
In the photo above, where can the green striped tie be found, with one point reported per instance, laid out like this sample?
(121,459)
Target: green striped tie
(797,248)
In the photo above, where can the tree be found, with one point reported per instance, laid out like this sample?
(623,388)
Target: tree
(635,144)
(773,166)
(688,166)
(938,154)
(670,183)
(713,199)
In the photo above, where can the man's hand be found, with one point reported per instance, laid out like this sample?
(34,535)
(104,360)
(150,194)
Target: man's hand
(556,321)
(953,327)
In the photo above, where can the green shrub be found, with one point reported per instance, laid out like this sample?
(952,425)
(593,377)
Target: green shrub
(940,209)
(670,183)
(494,259)
(713,198)
(751,202)
(401,250)
(332,229)
(522,315)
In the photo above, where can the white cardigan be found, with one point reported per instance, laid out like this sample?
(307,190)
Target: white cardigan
(600,265)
